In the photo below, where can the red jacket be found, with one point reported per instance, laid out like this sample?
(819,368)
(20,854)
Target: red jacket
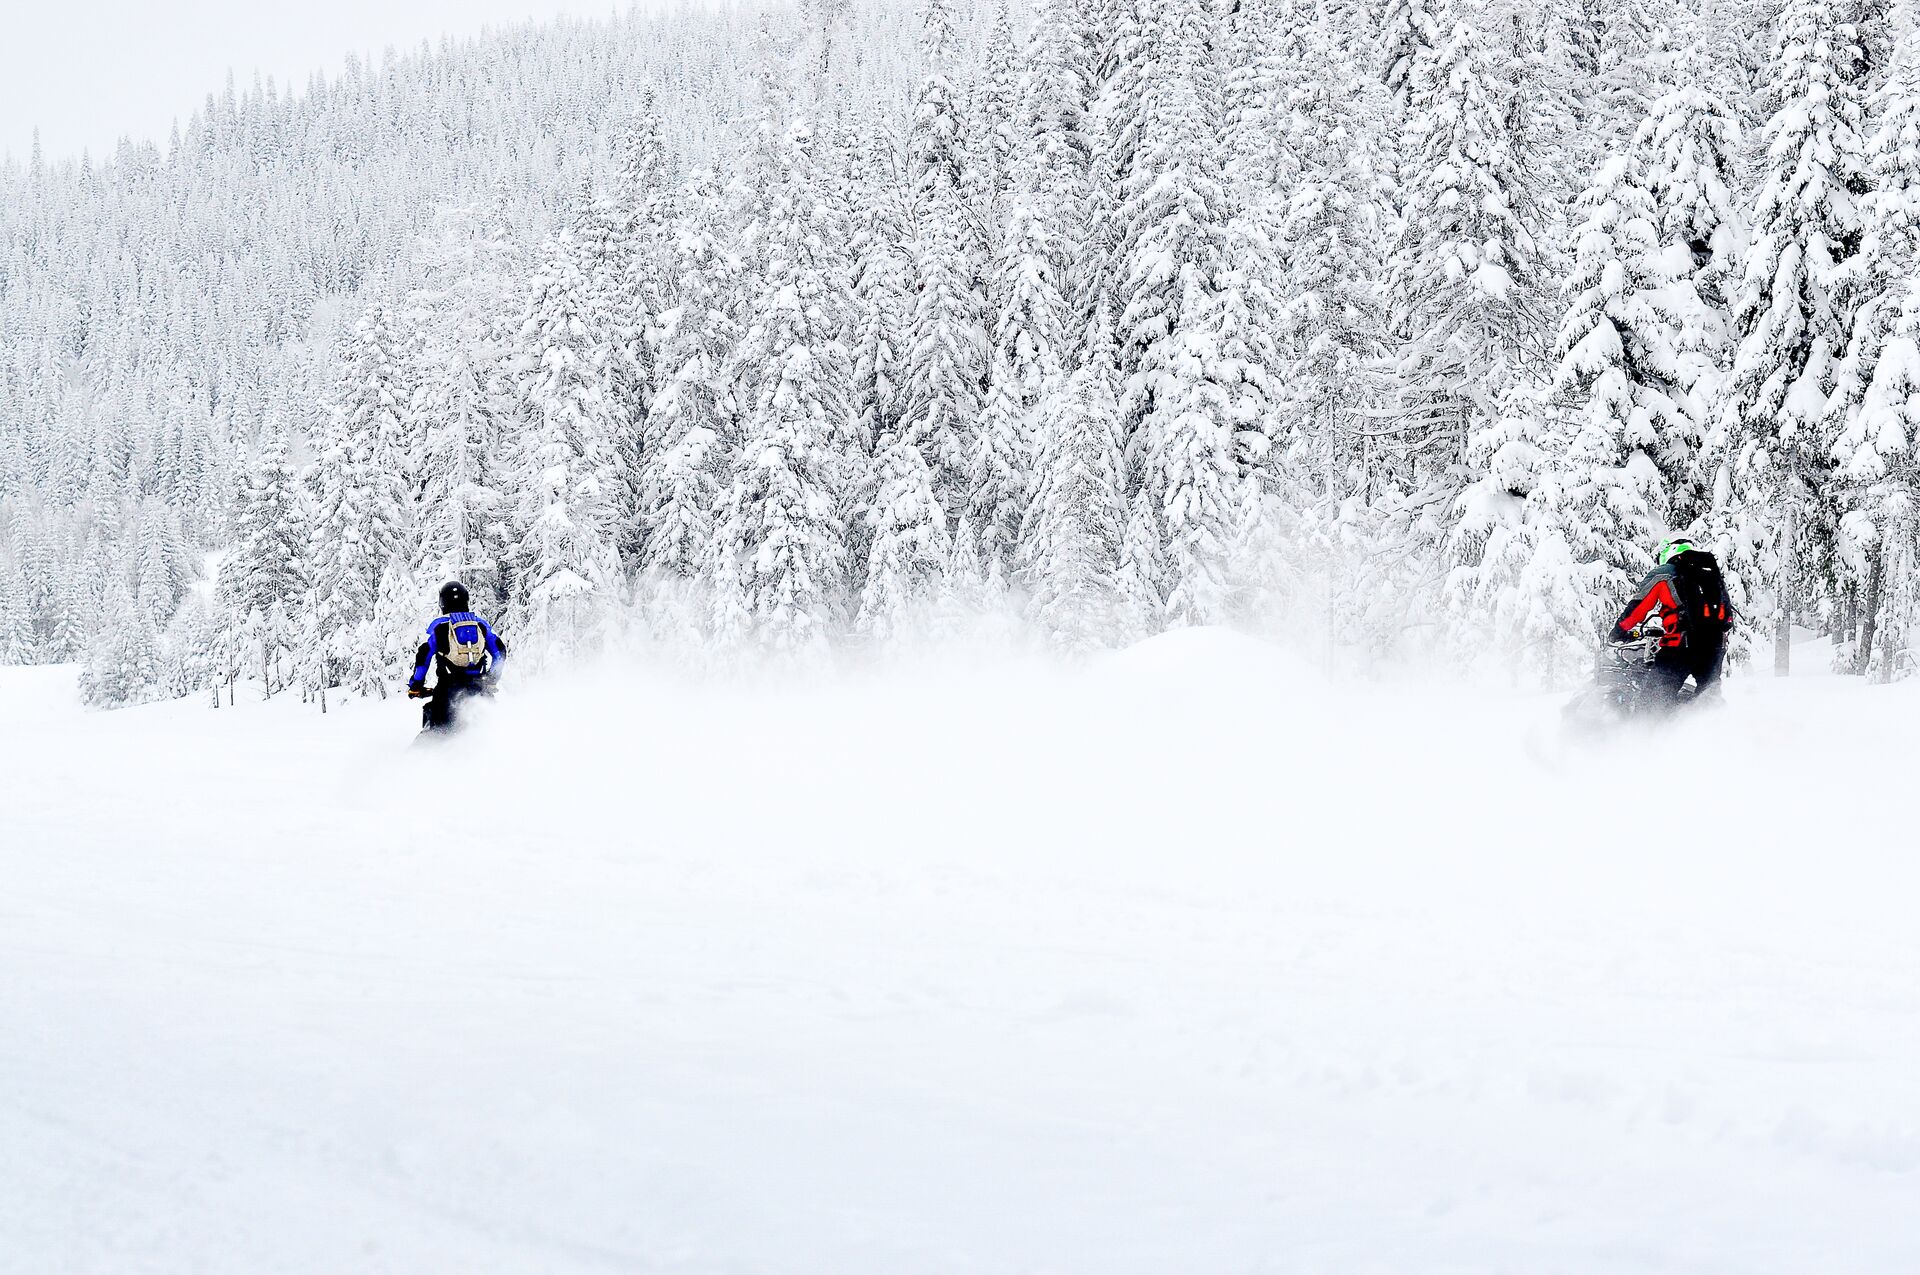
(1663,590)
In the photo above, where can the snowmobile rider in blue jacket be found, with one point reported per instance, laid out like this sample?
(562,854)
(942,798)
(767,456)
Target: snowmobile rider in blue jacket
(464,653)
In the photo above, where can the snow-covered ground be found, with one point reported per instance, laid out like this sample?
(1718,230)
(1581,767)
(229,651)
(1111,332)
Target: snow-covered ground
(1188,963)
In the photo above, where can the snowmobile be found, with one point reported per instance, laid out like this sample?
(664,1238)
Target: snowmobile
(1625,687)
(454,713)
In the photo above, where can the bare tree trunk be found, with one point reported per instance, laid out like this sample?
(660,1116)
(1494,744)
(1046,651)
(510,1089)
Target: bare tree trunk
(1783,602)
(1783,635)
(1870,620)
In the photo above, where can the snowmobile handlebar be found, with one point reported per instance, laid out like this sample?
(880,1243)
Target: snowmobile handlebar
(1643,645)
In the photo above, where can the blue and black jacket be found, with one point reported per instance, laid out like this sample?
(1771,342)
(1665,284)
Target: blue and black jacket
(433,652)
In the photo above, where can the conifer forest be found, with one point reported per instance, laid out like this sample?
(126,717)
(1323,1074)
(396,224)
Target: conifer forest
(1397,329)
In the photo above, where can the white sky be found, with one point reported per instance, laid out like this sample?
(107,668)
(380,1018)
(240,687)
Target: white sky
(88,71)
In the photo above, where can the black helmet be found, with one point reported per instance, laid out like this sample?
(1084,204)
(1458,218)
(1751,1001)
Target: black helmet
(453,597)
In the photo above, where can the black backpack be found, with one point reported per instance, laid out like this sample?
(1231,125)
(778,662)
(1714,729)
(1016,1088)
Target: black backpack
(1704,609)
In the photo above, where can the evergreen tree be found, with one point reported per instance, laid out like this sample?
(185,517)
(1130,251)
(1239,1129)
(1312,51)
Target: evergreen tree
(1410,35)
(946,342)
(1791,322)
(1333,325)
(462,315)
(908,558)
(568,466)
(122,665)
(995,128)
(1029,341)
(1463,285)
(693,419)
(1175,217)
(1190,453)
(782,533)
(1869,412)
(782,548)
(362,474)
(264,573)
(18,643)
(1142,568)
(1618,364)
(883,284)
(1073,529)
(1689,147)
(1055,151)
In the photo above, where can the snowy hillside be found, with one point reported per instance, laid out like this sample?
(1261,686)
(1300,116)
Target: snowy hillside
(1187,962)
(1410,325)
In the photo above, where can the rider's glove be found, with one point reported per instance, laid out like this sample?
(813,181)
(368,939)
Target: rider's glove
(416,692)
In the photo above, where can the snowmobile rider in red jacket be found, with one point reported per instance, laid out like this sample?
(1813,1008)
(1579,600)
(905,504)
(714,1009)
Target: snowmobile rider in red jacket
(1685,593)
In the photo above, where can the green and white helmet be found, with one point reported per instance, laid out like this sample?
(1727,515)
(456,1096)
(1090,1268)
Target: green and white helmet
(1671,548)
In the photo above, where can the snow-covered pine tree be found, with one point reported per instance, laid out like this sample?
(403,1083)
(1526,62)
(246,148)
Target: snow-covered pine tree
(994,132)
(971,593)
(1174,219)
(1688,148)
(1143,569)
(1264,60)
(18,643)
(1875,452)
(1871,284)
(1072,535)
(394,628)
(463,314)
(883,284)
(782,528)
(1122,37)
(1249,324)
(1870,411)
(1617,366)
(946,342)
(908,559)
(1791,322)
(643,222)
(567,467)
(601,241)
(263,574)
(186,662)
(1029,345)
(1639,64)
(1333,325)
(1463,288)
(362,475)
(692,426)
(1191,458)
(1554,109)
(122,665)
(1410,36)
(1594,522)
(782,547)
(1054,150)
(160,573)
